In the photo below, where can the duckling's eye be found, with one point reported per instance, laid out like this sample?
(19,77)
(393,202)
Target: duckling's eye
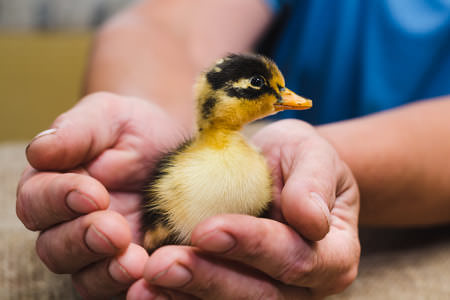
(257,81)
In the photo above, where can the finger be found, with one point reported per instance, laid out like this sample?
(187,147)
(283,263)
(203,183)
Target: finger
(185,269)
(147,133)
(309,190)
(277,250)
(45,198)
(267,245)
(80,134)
(111,277)
(70,246)
(141,290)
(310,169)
(106,133)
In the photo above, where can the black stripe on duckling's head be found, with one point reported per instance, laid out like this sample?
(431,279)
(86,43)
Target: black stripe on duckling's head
(245,66)
(237,89)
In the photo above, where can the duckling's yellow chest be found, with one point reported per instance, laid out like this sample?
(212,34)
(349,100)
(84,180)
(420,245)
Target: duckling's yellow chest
(204,181)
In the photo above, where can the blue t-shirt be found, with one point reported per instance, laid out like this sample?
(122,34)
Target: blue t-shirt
(356,57)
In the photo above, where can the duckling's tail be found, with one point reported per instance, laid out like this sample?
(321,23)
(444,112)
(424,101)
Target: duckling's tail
(158,236)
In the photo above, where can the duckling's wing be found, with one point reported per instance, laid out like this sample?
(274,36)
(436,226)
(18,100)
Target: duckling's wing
(155,228)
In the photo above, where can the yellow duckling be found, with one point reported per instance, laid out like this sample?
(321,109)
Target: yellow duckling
(217,171)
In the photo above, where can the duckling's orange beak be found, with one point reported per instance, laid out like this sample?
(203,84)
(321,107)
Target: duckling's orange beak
(290,100)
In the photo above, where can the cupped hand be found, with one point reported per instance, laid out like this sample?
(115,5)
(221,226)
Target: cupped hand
(308,249)
(82,189)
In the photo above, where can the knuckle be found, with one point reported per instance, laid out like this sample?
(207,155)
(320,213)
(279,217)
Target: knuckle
(296,271)
(101,98)
(111,104)
(254,249)
(345,280)
(209,289)
(294,124)
(98,287)
(29,223)
(79,286)
(23,211)
(204,288)
(60,119)
(43,253)
(345,274)
(267,291)
(349,274)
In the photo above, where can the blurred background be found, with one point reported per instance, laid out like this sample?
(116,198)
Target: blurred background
(44,45)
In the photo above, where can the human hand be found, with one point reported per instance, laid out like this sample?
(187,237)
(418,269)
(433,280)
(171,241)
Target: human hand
(82,190)
(309,248)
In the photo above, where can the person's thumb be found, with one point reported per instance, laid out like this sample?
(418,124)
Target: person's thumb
(309,172)
(78,135)
(309,191)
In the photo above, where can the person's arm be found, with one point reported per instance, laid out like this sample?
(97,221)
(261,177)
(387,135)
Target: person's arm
(401,161)
(155,49)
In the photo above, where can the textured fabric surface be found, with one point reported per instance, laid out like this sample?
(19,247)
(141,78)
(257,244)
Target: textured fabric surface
(396,264)
(22,275)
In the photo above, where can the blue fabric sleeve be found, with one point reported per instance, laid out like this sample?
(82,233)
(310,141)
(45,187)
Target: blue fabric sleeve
(353,58)
(276,5)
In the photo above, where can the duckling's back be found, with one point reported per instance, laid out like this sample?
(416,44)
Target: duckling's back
(202,179)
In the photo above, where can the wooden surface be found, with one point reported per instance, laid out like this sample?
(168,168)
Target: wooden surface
(396,264)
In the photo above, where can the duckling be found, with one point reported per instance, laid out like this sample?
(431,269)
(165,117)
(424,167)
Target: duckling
(217,171)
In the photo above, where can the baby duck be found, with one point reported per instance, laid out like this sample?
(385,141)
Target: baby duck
(217,171)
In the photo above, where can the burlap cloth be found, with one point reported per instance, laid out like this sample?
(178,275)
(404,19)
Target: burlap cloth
(396,264)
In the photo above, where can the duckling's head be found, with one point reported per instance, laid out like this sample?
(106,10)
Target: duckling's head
(241,88)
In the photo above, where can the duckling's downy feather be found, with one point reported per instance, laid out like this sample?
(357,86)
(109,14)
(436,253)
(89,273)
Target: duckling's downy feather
(200,182)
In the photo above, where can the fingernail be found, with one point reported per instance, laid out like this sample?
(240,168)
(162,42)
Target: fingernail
(98,242)
(80,203)
(216,241)
(119,273)
(161,296)
(146,294)
(45,132)
(173,277)
(41,134)
(316,198)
